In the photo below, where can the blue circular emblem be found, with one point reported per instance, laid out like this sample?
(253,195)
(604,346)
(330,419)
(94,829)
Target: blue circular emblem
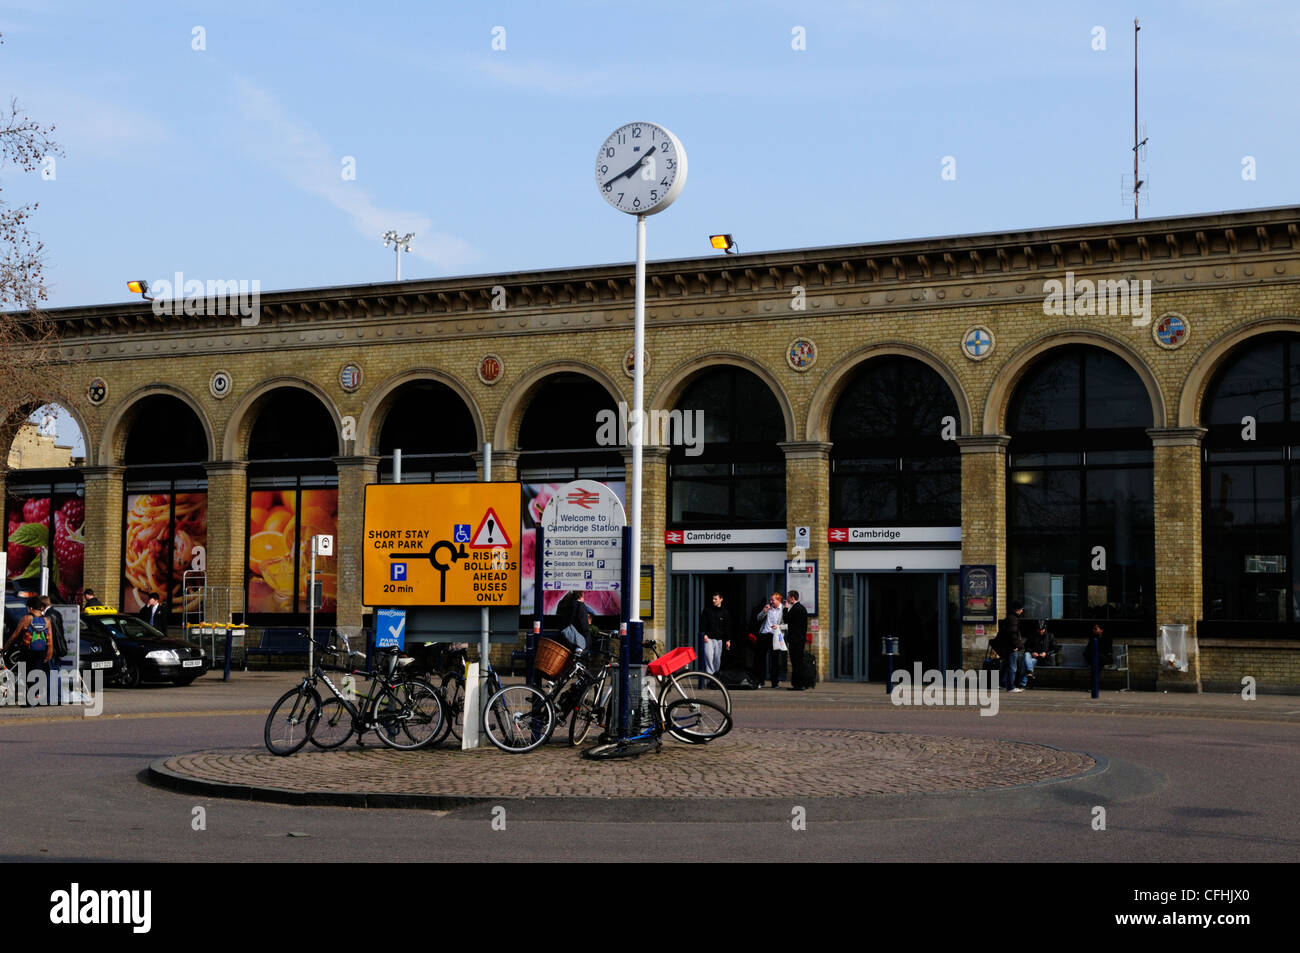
(978,343)
(1171,331)
(350,377)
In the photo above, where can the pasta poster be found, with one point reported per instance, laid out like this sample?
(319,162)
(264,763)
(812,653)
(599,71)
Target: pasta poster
(160,546)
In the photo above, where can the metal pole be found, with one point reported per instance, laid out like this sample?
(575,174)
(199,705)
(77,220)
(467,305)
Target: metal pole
(638,398)
(1136,184)
(311,610)
(397,465)
(398,250)
(485,622)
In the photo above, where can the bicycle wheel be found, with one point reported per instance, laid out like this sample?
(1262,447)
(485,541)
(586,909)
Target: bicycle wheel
(695,720)
(453,701)
(334,725)
(291,720)
(409,715)
(590,711)
(684,685)
(628,749)
(519,718)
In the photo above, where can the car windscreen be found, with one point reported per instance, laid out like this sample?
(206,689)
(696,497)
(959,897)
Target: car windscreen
(126,627)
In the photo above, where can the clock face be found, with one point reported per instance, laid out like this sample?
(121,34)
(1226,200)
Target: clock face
(641,168)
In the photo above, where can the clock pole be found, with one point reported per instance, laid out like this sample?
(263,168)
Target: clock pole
(634,629)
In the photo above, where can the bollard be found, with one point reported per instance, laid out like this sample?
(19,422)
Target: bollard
(1096,667)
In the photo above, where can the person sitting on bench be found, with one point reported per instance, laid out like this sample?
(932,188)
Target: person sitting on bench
(1105,647)
(1038,648)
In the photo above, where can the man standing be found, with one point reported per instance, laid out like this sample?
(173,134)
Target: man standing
(796,638)
(1011,646)
(771,638)
(152,612)
(715,631)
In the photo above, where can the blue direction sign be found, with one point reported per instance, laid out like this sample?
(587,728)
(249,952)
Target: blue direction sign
(390,628)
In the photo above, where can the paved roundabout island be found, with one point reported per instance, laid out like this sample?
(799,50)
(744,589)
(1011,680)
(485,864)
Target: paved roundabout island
(748,764)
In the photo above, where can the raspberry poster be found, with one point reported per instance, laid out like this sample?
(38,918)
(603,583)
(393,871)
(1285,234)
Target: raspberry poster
(37,521)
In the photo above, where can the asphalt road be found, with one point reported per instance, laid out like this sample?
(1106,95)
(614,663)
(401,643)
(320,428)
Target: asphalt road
(1180,785)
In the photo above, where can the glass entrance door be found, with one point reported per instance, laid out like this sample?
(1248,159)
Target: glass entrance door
(741,594)
(918,608)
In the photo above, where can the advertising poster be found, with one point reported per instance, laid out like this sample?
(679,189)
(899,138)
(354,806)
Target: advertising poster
(160,544)
(979,593)
(281,524)
(536,496)
(37,521)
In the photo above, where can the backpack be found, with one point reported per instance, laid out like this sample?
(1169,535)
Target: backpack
(38,635)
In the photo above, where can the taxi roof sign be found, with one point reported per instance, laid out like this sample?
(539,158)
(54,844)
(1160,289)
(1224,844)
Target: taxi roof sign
(431,544)
(99,610)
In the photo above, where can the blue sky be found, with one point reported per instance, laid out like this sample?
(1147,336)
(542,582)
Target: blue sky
(226,162)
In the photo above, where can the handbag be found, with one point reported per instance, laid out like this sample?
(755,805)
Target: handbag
(572,635)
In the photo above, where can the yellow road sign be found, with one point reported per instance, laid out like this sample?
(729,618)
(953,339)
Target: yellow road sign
(441,544)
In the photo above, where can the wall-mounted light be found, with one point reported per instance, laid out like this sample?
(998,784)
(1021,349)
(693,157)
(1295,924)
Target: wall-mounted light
(140,288)
(724,243)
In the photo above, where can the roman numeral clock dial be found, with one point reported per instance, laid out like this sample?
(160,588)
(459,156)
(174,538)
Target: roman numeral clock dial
(641,168)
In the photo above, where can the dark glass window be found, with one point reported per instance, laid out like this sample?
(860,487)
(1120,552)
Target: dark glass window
(735,474)
(1251,485)
(430,424)
(560,435)
(890,462)
(164,430)
(1080,494)
(292,424)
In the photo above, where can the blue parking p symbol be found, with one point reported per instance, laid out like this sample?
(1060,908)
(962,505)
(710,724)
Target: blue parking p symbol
(397,572)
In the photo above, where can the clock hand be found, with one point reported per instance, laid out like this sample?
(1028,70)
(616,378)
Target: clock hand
(636,165)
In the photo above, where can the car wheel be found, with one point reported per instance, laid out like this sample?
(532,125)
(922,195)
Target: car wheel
(130,677)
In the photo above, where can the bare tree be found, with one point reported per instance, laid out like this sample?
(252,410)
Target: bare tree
(29,345)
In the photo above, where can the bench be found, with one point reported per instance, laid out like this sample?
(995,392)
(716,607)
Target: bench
(289,641)
(1070,658)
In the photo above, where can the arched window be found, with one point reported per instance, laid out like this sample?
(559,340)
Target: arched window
(725,467)
(1251,489)
(560,434)
(1080,513)
(430,424)
(895,458)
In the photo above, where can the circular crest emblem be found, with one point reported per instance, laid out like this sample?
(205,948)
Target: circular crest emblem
(350,377)
(97,390)
(220,384)
(629,369)
(490,369)
(801,354)
(977,343)
(1171,330)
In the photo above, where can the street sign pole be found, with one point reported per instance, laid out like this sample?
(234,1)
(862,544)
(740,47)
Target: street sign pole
(483,639)
(311,609)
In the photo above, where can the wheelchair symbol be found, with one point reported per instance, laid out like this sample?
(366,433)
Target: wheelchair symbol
(461,534)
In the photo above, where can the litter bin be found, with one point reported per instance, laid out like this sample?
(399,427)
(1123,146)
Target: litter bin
(1173,647)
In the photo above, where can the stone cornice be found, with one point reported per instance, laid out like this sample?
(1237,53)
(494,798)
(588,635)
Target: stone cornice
(806,449)
(1229,249)
(1176,436)
(984,443)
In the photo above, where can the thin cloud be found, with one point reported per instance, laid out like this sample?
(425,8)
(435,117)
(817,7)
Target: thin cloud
(305,159)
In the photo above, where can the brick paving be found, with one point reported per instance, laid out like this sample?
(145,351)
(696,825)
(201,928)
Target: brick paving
(748,763)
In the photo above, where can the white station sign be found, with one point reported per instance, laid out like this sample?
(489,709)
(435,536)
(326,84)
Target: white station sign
(583,548)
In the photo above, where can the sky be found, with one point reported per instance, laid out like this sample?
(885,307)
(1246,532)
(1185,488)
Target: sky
(216,138)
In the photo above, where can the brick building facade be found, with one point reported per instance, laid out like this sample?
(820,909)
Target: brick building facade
(969,310)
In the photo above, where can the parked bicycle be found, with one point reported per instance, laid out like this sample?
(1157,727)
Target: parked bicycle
(405,712)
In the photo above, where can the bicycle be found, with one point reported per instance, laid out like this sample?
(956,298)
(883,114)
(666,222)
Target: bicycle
(406,713)
(693,720)
(520,718)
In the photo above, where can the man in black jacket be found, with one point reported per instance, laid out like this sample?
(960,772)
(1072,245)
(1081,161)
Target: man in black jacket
(153,613)
(1038,647)
(796,638)
(1010,645)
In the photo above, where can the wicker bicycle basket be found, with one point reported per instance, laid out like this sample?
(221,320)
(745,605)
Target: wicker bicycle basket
(552,657)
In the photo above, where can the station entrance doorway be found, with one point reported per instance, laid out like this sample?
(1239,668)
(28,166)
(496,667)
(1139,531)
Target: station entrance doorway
(741,594)
(920,608)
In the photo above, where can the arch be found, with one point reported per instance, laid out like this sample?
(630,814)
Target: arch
(234,443)
(1192,397)
(1009,375)
(671,389)
(505,432)
(824,398)
(118,425)
(381,402)
(14,415)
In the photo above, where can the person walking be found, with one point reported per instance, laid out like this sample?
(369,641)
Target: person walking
(36,639)
(797,639)
(715,633)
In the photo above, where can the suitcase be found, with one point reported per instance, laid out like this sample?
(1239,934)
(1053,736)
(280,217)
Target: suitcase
(736,678)
(808,671)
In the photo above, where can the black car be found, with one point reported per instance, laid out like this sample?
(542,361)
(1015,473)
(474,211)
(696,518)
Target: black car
(148,655)
(98,651)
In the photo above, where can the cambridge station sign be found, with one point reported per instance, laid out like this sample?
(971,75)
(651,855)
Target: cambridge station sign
(441,544)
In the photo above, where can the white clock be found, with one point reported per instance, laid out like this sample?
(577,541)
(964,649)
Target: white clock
(641,168)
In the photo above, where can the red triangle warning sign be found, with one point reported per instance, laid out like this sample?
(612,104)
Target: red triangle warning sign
(490,533)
